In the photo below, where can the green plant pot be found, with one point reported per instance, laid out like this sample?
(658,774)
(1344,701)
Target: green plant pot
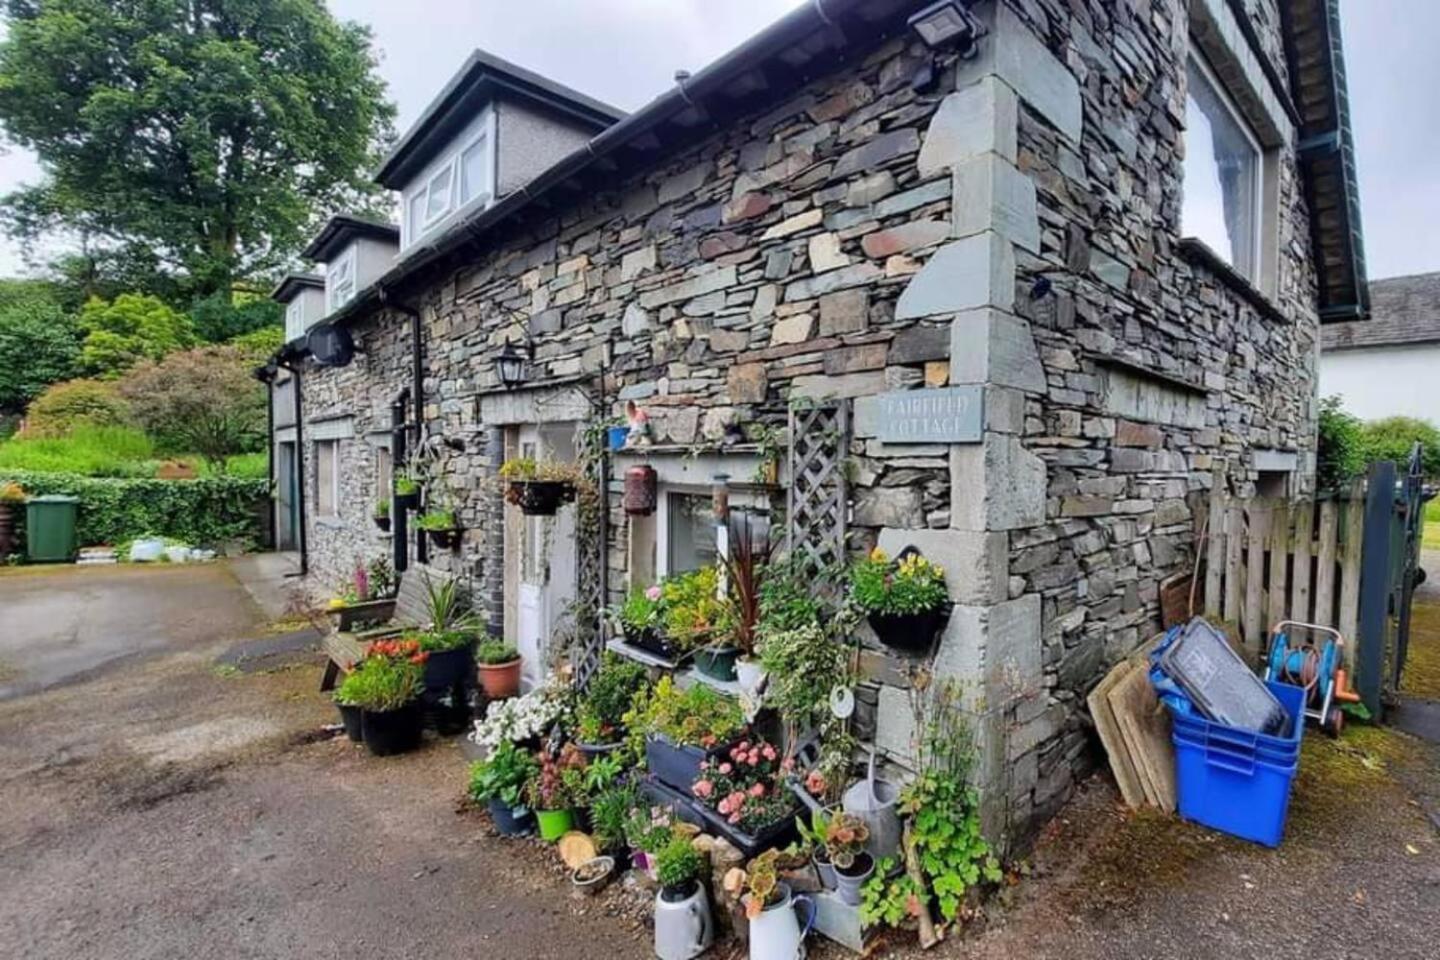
(717,663)
(554,824)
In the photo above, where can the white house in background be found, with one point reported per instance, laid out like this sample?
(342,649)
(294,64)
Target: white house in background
(1388,365)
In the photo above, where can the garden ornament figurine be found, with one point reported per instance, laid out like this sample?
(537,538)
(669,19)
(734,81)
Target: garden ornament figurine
(639,422)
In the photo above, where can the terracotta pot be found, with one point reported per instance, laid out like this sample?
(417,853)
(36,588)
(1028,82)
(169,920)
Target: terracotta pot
(500,680)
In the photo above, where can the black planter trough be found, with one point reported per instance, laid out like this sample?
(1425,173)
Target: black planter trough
(778,834)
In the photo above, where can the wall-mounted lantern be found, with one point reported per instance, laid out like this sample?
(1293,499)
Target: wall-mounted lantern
(510,365)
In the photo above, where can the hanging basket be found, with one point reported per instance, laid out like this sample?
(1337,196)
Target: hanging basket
(445,539)
(540,498)
(911,632)
(640,491)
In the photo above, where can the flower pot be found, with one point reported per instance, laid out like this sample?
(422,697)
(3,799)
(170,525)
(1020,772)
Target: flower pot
(776,934)
(914,632)
(350,717)
(848,881)
(500,681)
(447,714)
(540,498)
(717,662)
(824,869)
(683,928)
(354,615)
(554,824)
(617,437)
(510,821)
(675,765)
(392,731)
(449,670)
(593,875)
(382,522)
(749,674)
(407,501)
(446,539)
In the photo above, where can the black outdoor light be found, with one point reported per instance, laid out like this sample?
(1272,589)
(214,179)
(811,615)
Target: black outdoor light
(510,365)
(948,23)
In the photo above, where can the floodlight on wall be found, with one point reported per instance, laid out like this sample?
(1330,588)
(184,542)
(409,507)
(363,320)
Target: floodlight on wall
(510,365)
(948,23)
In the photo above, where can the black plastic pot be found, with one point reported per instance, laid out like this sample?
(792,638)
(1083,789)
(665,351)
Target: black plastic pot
(392,731)
(599,749)
(540,498)
(507,823)
(652,641)
(447,670)
(407,501)
(913,632)
(350,717)
(383,523)
(447,714)
(447,539)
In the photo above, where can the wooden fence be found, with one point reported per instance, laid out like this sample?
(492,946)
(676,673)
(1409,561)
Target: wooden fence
(1267,560)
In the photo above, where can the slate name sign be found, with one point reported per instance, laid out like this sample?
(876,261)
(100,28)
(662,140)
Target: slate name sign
(949,415)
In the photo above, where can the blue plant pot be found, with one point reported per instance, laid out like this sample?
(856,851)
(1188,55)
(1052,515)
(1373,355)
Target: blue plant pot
(617,437)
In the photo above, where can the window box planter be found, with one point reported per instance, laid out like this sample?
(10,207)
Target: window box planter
(353,615)
(392,731)
(653,641)
(540,498)
(778,834)
(911,632)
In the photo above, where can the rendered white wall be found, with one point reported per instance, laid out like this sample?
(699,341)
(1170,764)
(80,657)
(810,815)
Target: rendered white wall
(1385,381)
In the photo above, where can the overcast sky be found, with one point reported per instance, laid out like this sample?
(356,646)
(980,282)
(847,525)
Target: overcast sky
(626,51)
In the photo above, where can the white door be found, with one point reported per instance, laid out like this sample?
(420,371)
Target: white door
(545,573)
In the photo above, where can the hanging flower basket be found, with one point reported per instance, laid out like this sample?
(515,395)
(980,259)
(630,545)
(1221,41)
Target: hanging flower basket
(540,498)
(407,501)
(912,632)
(445,539)
(382,522)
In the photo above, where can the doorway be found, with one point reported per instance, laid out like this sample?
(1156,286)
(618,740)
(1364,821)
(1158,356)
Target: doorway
(540,568)
(287,487)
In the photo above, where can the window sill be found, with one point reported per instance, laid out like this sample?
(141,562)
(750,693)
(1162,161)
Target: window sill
(1198,253)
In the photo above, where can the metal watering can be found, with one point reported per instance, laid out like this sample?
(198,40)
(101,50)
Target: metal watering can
(874,802)
(776,934)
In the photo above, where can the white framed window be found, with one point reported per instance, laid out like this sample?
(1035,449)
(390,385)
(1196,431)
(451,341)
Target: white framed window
(477,170)
(340,280)
(294,319)
(466,176)
(687,534)
(1223,202)
(327,478)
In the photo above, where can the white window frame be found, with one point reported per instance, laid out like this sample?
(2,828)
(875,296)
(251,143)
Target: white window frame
(340,276)
(334,489)
(294,319)
(1252,270)
(739,500)
(451,170)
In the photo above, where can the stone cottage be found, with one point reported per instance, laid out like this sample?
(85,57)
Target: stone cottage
(1062,261)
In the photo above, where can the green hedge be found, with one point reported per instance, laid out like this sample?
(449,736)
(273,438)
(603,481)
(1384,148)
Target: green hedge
(206,511)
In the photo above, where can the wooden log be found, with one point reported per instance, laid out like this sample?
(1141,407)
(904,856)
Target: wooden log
(929,937)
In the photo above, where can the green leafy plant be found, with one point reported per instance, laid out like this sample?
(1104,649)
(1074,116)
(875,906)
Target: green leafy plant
(804,665)
(531,470)
(1391,438)
(437,520)
(642,610)
(61,407)
(762,883)
(845,839)
(694,613)
(202,401)
(128,329)
(881,585)
(383,583)
(405,484)
(447,606)
(678,864)
(600,715)
(649,829)
(889,898)
(382,683)
(610,810)
(382,510)
(503,775)
(495,651)
(1340,453)
(813,830)
(559,784)
(600,773)
(697,716)
(787,597)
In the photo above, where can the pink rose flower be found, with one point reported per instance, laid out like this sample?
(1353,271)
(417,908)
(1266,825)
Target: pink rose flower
(704,788)
(724,805)
(734,818)
(653,593)
(758,790)
(725,769)
(754,757)
(769,752)
(787,764)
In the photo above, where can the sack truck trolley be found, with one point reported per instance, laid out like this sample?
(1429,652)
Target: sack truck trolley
(1311,656)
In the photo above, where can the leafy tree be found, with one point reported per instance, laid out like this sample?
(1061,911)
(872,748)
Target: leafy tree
(39,345)
(260,344)
(201,401)
(1341,454)
(221,317)
(64,406)
(128,329)
(207,134)
(1392,438)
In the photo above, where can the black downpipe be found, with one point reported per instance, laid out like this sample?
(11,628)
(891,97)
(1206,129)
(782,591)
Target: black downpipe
(300,474)
(399,518)
(417,394)
(270,463)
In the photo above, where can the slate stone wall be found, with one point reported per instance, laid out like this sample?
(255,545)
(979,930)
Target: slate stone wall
(1013,227)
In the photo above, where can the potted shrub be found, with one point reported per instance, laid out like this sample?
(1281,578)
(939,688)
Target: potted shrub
(696,618)
(441,527)
(905,599)
(845,838)
(610,812)
(600,715)
(683,927)
(640,620)
(12,497)
(682,728)
(499,782)
(520,720)
(554,790)
(449,639)
(499,668)
(746,567)
(386,687)
(812,837)
(407,491)
(537,487)
(381,515)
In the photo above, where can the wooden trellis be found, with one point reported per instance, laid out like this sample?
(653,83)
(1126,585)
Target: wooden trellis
(818,498)
(592,521)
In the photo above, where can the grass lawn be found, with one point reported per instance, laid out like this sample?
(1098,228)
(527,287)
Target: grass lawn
(109,452)
(1432,525)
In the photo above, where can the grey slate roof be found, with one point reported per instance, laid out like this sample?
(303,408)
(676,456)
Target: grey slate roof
(1402,310)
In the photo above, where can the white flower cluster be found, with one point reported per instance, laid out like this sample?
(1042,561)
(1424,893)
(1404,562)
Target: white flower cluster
(519,718)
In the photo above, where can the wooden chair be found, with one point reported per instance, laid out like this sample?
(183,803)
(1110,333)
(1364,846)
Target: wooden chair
(409,609)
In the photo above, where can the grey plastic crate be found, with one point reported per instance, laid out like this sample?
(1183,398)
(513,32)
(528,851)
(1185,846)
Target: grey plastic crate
(1202,662)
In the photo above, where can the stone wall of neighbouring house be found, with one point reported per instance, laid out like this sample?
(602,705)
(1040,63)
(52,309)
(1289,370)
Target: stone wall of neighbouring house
(863,237)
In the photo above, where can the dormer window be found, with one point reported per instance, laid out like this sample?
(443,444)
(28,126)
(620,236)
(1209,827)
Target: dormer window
(462,177)
(294,319)
(340,280)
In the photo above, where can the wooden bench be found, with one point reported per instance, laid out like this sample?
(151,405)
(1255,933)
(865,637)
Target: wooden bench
(409,609)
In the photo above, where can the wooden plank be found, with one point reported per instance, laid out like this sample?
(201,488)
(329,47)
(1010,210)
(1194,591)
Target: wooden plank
(1121,765)
(1300,550)
(1350,571)
(1258,523)
(1215,556)
(1279,558)
(1146,728)
(1325,565)
(1234,553)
